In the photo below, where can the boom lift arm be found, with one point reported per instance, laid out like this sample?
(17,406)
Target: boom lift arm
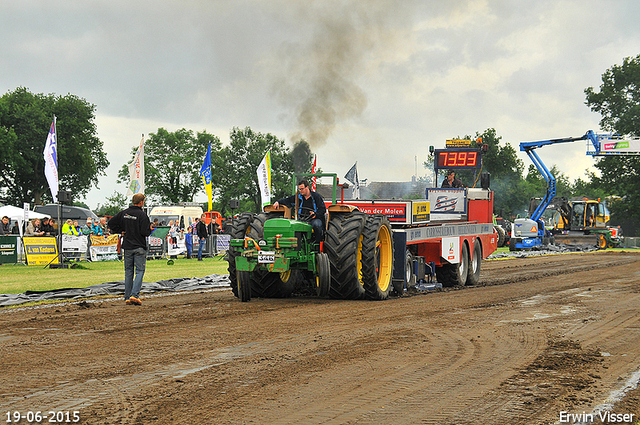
(530,147)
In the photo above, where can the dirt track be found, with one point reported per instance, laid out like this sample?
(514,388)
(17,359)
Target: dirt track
(542,336)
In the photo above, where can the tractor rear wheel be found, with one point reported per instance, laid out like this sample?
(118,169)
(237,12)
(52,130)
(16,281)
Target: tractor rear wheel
(377,257)
(323,278)
(343,244)
(237,230)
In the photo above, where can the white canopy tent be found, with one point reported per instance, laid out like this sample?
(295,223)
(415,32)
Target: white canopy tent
(17,214)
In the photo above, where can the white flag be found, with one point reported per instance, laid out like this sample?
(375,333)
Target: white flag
(352,176)
(264,179)
(136,171)
(51,160)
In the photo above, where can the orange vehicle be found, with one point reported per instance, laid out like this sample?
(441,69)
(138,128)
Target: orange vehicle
(214,216)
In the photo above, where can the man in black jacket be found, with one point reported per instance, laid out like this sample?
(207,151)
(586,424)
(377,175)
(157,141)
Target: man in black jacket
(310,206)
(201,230)
(134,225)
(451,180)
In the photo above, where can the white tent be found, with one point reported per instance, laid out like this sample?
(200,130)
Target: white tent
(17,214)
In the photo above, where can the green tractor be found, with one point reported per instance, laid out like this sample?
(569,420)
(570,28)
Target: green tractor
(273,254)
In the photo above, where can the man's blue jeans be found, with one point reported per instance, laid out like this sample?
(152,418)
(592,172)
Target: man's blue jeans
(318,230)
(201,247)
(134,259)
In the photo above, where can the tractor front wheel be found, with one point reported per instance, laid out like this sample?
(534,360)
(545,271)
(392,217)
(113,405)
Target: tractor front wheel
(323,278)
(244,286)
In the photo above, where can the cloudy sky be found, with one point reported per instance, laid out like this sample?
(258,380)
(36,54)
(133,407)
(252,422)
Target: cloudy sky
(372,81)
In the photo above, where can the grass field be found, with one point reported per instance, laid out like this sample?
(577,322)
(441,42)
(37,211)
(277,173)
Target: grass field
(18,278)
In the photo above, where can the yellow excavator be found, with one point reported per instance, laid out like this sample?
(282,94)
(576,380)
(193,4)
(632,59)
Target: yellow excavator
(581,220)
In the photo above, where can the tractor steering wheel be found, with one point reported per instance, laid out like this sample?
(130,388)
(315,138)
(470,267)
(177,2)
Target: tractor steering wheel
(306,218)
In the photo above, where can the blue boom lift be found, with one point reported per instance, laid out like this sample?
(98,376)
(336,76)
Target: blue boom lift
(530,232)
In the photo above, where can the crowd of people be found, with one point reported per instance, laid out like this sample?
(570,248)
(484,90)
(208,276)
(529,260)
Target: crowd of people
(47,227)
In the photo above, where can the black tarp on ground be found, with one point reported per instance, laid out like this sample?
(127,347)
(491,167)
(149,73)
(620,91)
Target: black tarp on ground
(117,289)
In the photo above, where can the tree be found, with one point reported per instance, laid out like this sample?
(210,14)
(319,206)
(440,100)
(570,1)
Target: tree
(241,160)
(506,174)
(618,101)
(115,203)
(25,119)
(500,161)
(172,163)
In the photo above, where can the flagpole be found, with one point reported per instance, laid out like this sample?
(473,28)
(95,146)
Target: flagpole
(61,264)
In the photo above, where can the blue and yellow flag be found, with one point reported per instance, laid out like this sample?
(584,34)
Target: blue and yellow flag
(205,173)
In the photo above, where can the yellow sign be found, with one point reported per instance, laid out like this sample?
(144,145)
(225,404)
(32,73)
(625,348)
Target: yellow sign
(458,143)
(421,211)
(41,250)
(104,240)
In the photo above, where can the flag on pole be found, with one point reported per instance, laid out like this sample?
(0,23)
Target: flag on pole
(205,173)
(313,170)
(264,179)
(136,171)
(51,160)
(352,176)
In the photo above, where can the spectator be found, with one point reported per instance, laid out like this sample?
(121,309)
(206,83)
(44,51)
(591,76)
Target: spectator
(4,226)
(103,226)
(33,229)
(69,229)
(98,230)
(52,226)
(77,226)
(201,230)
(15,230)
(87,229)
(135,226)
(188,241)
(47,228)
(173,233)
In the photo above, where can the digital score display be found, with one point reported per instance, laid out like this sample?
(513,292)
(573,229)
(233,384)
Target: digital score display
(458,158)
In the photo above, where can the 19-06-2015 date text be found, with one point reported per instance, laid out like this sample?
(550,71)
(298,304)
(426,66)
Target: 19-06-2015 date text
(51,416)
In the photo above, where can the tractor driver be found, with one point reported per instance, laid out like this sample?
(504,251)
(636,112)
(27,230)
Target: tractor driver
(310,206)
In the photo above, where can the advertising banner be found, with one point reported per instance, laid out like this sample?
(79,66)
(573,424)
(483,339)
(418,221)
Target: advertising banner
(450,202)
(179,247)
(631,146)
(156,247)
(104,248)
(74,247)
(41,251)
(222,242)
(8,249)
(450,248)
